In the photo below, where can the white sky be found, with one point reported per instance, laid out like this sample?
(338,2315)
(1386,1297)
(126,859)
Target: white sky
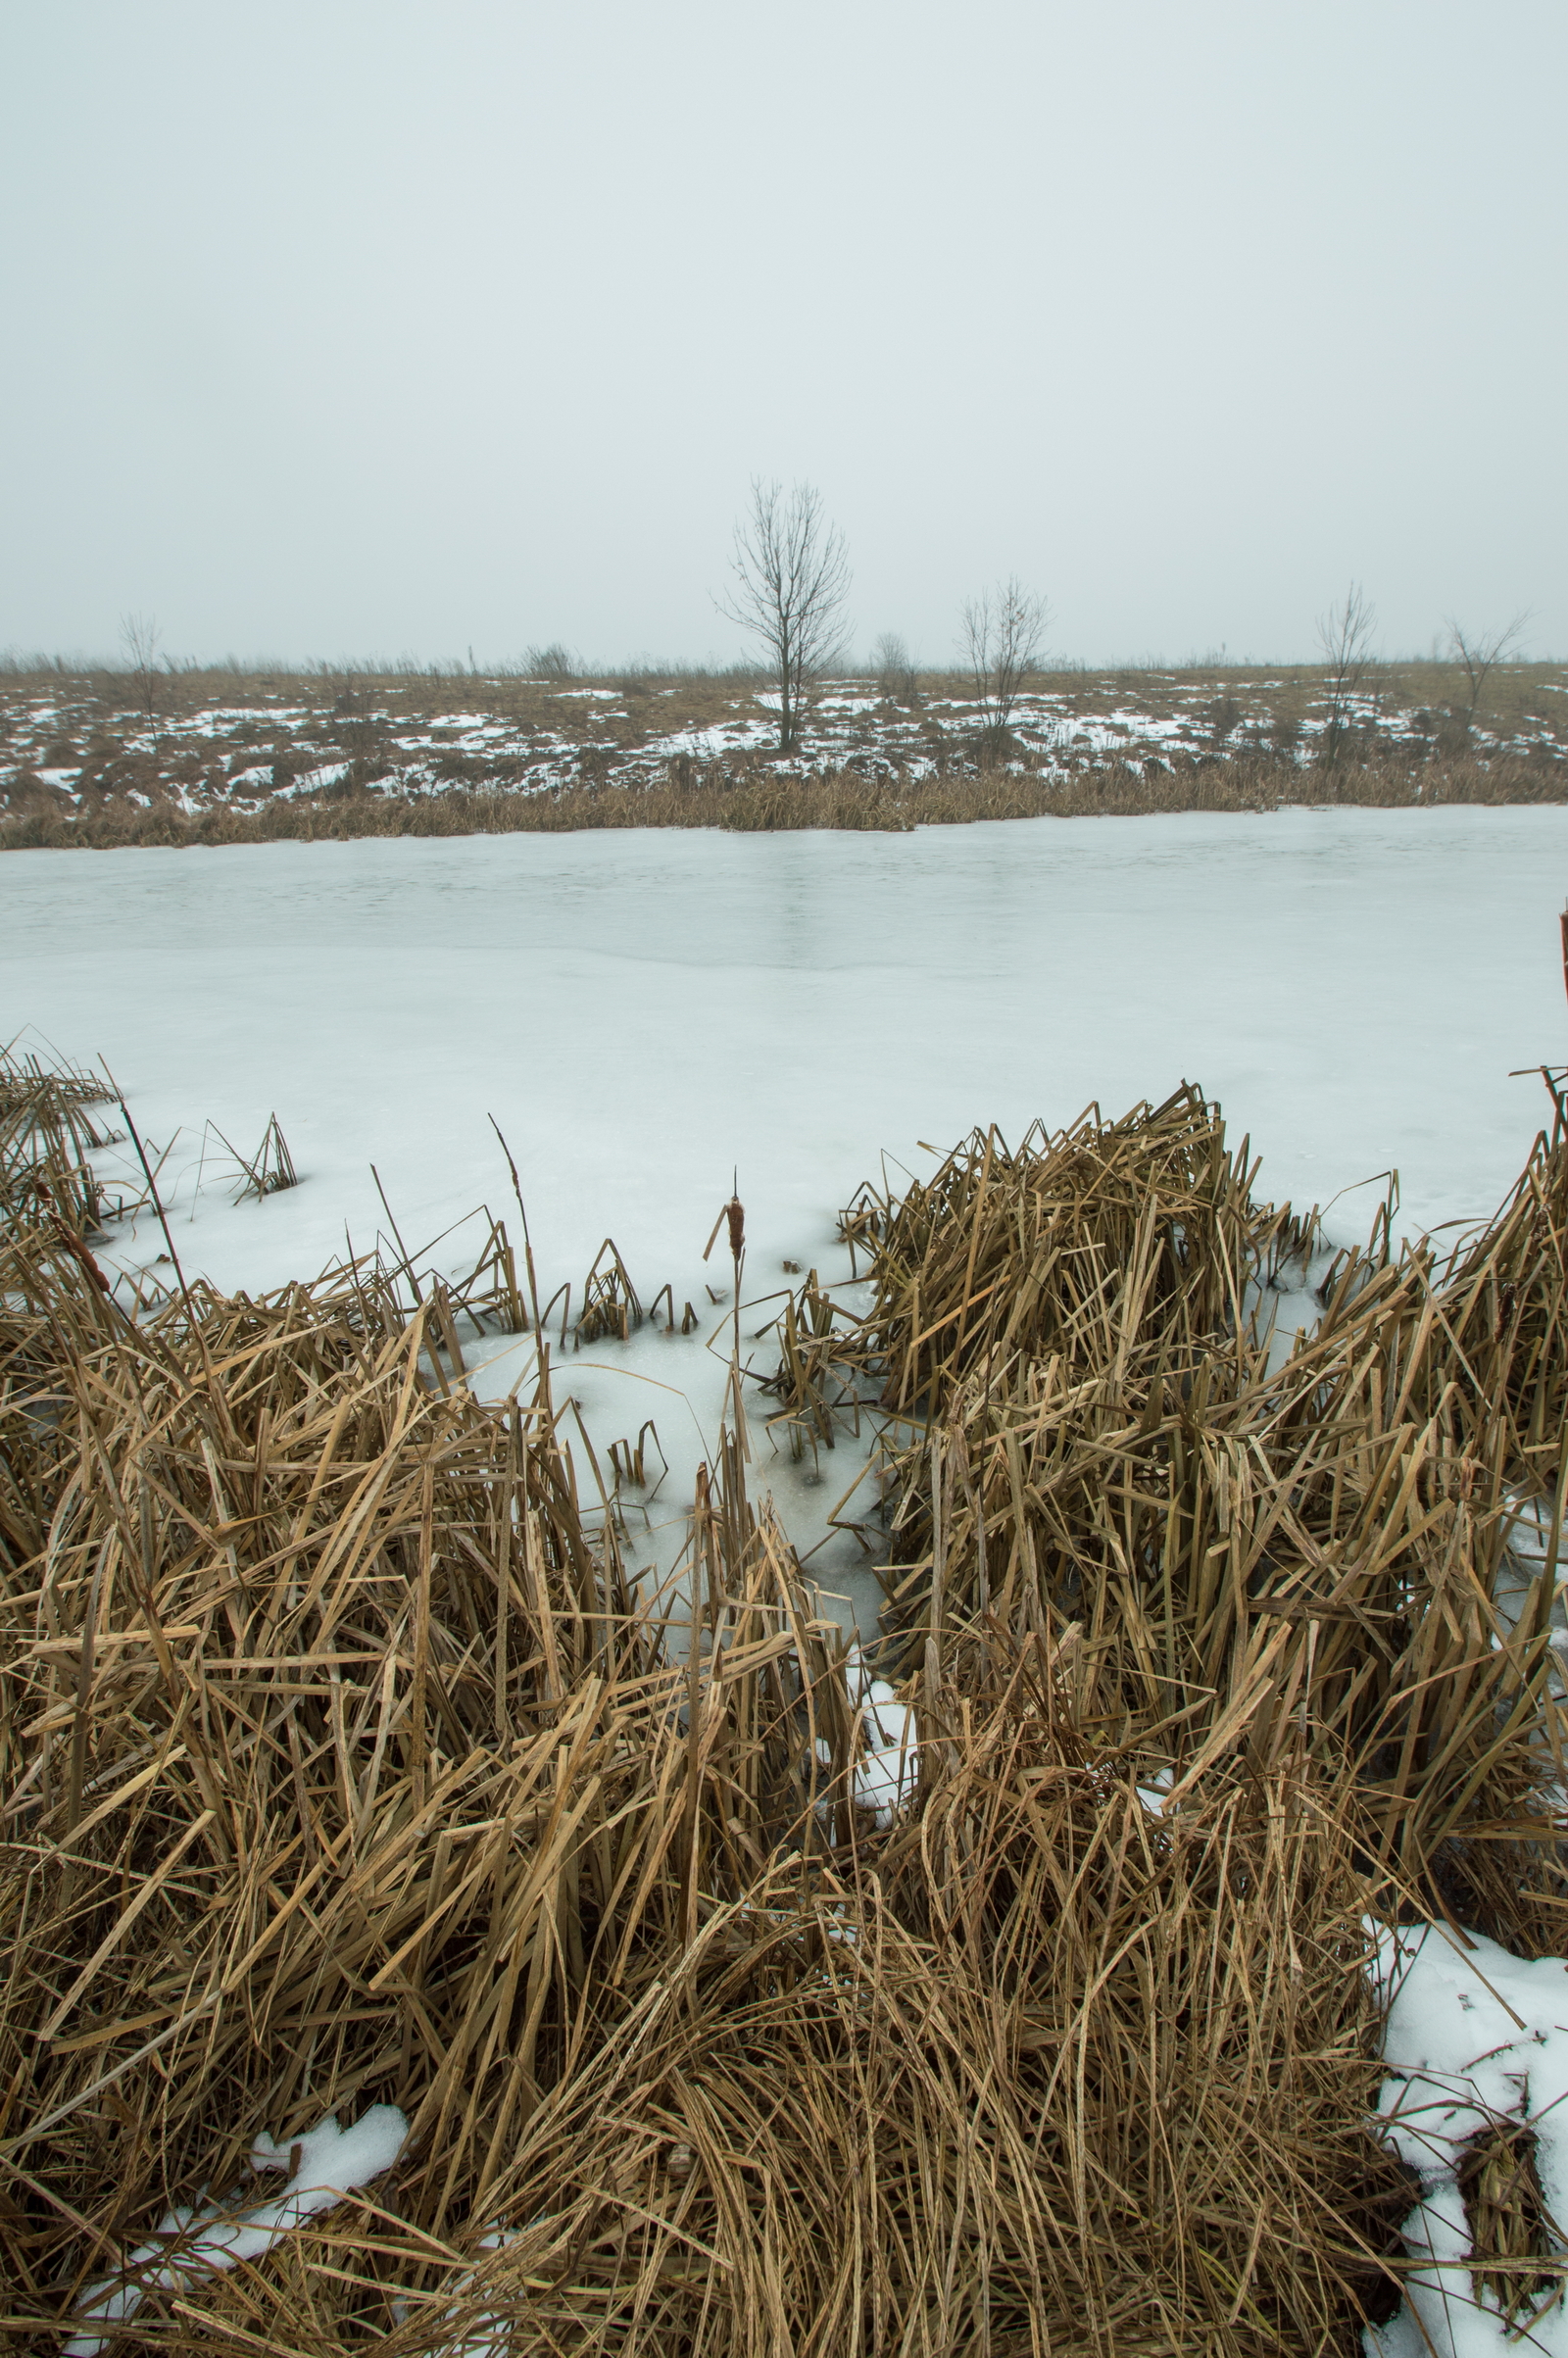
(339,327)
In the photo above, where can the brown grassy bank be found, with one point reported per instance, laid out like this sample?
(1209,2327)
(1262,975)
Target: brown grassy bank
(340,1762)
(752,800)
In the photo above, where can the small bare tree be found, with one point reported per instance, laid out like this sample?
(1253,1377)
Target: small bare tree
(139,635)
(1345,634)
(1003,641)
(792,576)
(554,661)
(1477,653)
(895,666)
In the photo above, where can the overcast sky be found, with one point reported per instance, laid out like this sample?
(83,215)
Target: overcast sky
(340,327)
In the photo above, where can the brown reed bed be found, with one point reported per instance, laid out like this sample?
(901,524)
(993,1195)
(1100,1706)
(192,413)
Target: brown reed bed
(750,797)
(1273,1563)
(342,1761)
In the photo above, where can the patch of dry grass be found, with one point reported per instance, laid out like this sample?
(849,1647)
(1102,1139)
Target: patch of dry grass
(752,800)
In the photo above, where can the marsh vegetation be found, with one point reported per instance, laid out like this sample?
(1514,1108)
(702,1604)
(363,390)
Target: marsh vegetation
(344,1764)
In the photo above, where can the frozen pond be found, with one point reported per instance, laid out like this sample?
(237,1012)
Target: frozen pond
(644,1012)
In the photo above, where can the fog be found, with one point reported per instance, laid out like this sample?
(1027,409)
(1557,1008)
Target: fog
(367,328)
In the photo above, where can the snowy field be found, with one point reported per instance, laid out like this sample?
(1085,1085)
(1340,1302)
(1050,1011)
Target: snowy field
(85,747)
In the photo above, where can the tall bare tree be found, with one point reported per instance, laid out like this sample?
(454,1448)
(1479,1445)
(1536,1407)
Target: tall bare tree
(1477,652)
(792,576)
(1003,633)
(139,635)
(1345,634)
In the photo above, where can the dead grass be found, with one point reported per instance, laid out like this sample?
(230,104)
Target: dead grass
(341,1762)
(751,800)
(1261,1561)
(236,755)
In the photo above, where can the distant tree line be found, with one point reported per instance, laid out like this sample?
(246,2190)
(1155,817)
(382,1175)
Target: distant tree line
(791,582)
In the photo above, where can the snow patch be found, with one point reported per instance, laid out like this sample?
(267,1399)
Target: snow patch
(331,2162)
(1474,2039)
(884,1774)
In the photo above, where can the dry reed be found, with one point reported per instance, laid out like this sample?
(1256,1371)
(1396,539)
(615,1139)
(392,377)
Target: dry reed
(751,798)
(1306,1561)
(341,1761)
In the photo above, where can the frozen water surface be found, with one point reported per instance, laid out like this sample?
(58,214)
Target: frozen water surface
(1474,2039)
(646,1011)
(643,1011)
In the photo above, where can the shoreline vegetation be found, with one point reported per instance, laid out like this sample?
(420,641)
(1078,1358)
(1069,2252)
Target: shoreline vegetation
(344,1765)
(761,802)
(188,756)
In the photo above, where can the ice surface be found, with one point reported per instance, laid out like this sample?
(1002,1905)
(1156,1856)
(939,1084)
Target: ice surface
(680,1384)
(1474,2038)
(331,2162)
(644,1012)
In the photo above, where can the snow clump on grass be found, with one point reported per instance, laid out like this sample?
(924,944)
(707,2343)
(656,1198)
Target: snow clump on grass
(1477,2047)
(328,2163)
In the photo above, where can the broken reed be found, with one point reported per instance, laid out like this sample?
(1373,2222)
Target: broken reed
(269,1171)
(821,1381)
(341,1762)
(47,1137)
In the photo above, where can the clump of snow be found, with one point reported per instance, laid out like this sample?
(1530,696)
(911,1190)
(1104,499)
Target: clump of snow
(1475,2038)
(1527,1554)
(884,1774)
(711,744)
(311,781)
(883,1771)
(331,2162)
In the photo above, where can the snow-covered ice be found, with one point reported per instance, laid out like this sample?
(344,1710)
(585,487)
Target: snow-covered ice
(1474,2039)
(645,1012)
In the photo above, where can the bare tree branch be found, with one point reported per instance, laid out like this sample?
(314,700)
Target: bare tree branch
(1003,641)
(792,576)
(139,635)
(895,666)
(1478,651)
(1345,634)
